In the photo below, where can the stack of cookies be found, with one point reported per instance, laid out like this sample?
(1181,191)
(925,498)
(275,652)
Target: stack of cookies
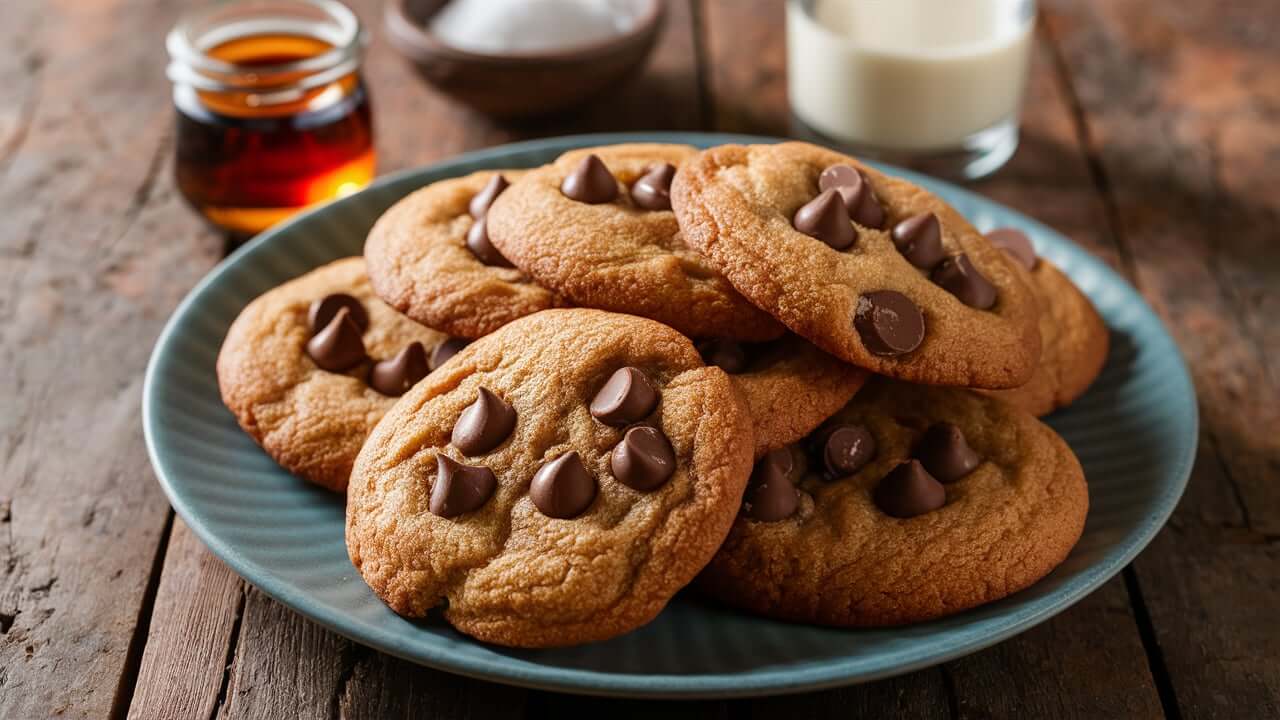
(556,397)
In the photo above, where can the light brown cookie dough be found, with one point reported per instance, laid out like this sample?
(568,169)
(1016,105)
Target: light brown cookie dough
(1073,336)
(311,421)
(615,254)
(848,287)
(882,541)
(789,385)
(421,261)
(542,539)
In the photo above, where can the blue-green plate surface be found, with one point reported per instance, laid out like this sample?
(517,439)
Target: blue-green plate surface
(1134,431)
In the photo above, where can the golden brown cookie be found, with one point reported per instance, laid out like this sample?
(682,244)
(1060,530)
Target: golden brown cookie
(311,420)
(429,257)
(912,503)
(556,483)
(789,385)
(907,289)
(617,246)
(1073,337)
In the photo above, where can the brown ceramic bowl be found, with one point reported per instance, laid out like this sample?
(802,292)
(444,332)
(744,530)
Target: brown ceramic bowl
(525,84)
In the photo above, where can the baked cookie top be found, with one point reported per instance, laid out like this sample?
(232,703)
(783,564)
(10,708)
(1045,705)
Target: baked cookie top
(310,419)
(596,226)
(870,268)
(430,257)
(1073,337)
(912,503)
(788,384)
(556,483)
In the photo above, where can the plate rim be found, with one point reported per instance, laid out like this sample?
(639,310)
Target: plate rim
(831,672)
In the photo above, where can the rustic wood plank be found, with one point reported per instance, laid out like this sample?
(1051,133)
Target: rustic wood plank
(1180,102)
(86,280)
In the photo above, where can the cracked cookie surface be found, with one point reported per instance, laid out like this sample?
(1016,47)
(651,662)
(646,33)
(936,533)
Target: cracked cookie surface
(831,555)
(763,219)
(309,420)
(616,255)
(420,262)
(505,570)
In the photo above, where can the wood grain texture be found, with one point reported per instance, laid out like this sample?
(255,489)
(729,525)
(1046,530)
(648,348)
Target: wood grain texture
(96,249)
(1180,105)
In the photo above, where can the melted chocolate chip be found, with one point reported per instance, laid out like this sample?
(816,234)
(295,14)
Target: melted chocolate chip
(855,188)
(959,277)
(727,355)
(484,424)
(337,346)
(626,397)
(490,192)
(480,246)
(460,488)
(1017,244)
(563,488)
(919,239)
(644,459)
(847,449)
(945,453)
(771,496)
(590,182)
(909,490)
(653,190)
(888,323)
(394,377)
(826,219)
(322,311)
(445,350)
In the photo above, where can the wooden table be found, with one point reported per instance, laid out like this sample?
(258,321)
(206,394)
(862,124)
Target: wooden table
(1151,137)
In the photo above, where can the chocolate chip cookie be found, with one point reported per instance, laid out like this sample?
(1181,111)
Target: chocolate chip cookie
(596,226)
(911,503)
(311,366)
(789,385)
(870,268)
(430,257)
(1073,337)
(556,483)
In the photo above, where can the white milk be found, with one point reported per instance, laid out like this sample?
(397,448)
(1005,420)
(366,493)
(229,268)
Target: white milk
(910,75)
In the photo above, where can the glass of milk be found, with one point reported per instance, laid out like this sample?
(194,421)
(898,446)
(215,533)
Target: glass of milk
(935,84)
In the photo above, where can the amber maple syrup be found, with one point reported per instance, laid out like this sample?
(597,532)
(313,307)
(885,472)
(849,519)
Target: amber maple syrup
(269,124)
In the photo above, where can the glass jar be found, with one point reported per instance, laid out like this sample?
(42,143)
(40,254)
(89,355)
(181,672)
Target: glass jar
(272,113)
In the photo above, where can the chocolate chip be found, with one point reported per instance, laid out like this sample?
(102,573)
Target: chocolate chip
(626,397)
(727,355)
(771,496)
(480,246)
(919,239)
(563,488)
(1016,243)
(490,192)
(394,377)
(847,449)
(653,190)
(460,488)
(644,459)
(855,188)
(782,459)
(826,219)
(323,310)
(959,277)
(590,182)
(909,490)
(484,424)
(888,323)
(945,453)
(445,350)
(337,346)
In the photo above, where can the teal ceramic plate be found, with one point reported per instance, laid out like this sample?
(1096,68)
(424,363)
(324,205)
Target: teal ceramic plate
(1135,433)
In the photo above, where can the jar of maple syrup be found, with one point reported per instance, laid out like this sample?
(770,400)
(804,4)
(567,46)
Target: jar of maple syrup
(272,113)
